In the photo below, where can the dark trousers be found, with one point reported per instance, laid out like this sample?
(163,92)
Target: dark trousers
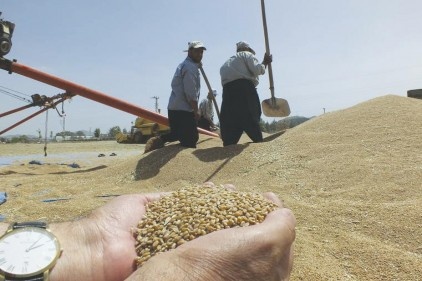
(182,128)
(204,123)
(240,112)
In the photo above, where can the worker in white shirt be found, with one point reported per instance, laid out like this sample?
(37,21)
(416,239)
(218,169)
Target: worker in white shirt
(241,107)
(206,113)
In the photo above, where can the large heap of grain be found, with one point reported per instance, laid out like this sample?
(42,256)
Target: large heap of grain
(352,178)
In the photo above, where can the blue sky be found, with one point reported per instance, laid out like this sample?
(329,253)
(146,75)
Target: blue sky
(326,53)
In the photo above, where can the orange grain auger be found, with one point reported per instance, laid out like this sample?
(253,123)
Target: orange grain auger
(75,89)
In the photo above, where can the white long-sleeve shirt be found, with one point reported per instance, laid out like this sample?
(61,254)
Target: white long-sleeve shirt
(206,109)
(243,65)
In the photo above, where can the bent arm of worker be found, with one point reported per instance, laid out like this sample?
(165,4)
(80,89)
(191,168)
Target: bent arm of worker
(195,109)
(253,65)
(191,85)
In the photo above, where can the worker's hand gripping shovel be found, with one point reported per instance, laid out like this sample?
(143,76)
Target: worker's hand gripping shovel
(273,107)
(210,93)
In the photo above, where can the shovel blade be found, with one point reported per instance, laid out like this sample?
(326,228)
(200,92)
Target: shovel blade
(275,107)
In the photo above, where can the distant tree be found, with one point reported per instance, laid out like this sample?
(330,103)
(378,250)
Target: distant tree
(273,126)
(113,131)
(51,134)
(80,134)
(66,133)
(124,131)
(21,138)
(262,125)
(281,125)
(97,132)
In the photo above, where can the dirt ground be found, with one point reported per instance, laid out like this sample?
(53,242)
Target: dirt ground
(353,178)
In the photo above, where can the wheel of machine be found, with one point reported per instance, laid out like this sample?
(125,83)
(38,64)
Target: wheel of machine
(5,46)
(138,137)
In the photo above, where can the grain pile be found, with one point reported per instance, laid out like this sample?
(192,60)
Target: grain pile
(351,177)
(195,211)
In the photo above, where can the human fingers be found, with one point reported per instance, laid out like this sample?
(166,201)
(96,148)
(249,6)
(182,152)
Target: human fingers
(210,184)
(267,59)
(282,222)
(273,198)
(151,197)
(229,186)
(125,210)
(266,247)
(132,201)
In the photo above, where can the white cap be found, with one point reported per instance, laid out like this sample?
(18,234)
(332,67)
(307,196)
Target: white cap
(242,45)
(195,45)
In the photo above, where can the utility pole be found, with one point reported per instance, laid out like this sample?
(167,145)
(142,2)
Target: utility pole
(156,104)
(63,125)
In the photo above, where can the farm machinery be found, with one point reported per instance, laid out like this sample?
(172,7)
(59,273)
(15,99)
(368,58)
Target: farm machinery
(6,32)
(158,123)
(142,131)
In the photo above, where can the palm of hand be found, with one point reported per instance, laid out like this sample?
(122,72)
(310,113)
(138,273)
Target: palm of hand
(116,222)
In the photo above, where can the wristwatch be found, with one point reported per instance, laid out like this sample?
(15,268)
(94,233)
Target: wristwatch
(28,251)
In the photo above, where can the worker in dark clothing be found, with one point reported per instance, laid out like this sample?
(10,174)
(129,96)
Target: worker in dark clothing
(241,107)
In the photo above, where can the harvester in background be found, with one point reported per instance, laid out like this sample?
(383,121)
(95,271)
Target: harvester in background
(142,131)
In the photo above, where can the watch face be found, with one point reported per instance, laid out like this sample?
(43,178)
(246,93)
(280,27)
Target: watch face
(28,251)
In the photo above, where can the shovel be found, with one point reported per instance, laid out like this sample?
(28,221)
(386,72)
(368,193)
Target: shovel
(273,107)
(210,92)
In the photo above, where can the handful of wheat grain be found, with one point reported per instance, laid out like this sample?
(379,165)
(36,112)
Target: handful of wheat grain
(195,211)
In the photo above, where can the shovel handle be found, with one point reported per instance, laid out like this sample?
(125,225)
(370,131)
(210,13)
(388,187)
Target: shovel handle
(267,48)
(210,90)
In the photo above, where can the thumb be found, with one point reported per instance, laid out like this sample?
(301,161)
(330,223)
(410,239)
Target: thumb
(281,221)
